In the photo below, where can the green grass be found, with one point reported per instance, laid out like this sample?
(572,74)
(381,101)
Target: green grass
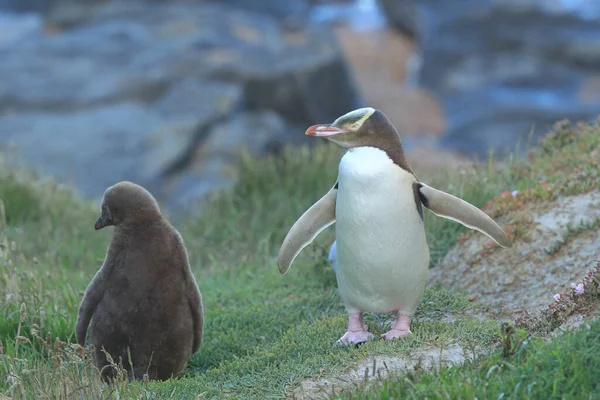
(263,331)
(566,368)
(19,202)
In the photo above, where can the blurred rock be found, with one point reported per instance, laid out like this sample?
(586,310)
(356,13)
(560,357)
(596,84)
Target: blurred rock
(91,149)
(380,61)
(192,98)
(188,108)
(503,68)
(287,11)
(163,78)
(26,6)
(81,68)
(401,15)
(138,55)
(252,132)
(213,164)
(306,80)
(14,27)
(69,13)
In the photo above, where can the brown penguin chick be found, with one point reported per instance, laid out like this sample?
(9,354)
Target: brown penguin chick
(144,300)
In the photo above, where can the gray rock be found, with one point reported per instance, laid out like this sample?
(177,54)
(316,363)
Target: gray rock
(215,161)
(85,67)
(251,132)
(15,27)
(186,192)
(26,6)
(69,13)
(501,69)
(304,89)
(91,149)
(189,107)
(192,98)
(401,15)
(301,75)
(97,146)
(282,10)
(144,87)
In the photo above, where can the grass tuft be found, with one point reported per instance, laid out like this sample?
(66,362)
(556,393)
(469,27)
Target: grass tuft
(18,203)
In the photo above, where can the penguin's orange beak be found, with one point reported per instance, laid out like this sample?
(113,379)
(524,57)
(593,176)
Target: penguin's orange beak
(323,130)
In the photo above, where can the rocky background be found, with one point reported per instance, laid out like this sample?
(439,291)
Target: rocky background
(168,92)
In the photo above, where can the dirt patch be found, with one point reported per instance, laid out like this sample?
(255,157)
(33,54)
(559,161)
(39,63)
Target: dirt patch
(527,274)
(373,369)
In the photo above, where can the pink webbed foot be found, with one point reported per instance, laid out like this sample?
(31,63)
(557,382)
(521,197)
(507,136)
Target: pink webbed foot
(355,337)
(357,332)
(400,328)
(395,334)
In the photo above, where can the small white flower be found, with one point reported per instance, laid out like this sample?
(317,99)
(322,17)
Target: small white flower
(579,289)
(557,297)
(515,193)
(573,285)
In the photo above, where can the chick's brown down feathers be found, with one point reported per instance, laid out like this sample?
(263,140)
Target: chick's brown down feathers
(144,300)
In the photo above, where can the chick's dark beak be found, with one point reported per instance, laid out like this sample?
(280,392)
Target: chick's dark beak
(103,221)
(323,130)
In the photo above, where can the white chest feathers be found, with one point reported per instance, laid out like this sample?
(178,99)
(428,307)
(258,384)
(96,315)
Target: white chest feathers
(382,257)
(371,185)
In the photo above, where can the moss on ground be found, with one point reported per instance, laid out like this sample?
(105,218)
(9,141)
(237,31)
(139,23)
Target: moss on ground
(263,331)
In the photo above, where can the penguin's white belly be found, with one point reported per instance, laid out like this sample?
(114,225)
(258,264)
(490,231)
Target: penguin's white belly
(382,256)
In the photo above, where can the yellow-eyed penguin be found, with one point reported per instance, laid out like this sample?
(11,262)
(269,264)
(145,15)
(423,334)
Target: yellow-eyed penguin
(381,255)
